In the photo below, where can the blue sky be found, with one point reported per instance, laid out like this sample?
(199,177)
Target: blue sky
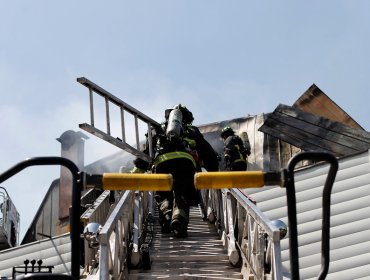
(222,59)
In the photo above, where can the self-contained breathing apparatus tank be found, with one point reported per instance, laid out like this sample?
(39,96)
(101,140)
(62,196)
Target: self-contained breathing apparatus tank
(174,125)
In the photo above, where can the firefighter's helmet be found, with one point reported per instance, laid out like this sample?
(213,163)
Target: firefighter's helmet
(227,131)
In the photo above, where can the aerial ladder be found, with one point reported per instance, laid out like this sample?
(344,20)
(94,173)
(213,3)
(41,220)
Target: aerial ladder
(219,209)
(229,237)
(251,242)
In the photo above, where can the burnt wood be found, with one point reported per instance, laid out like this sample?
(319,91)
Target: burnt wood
(314,133)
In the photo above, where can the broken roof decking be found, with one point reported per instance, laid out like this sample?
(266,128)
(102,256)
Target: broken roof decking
(313,133)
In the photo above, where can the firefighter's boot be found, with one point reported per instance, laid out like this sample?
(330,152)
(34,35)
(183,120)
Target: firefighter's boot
(179,227)
(165,215)
(165,221)
(179,222)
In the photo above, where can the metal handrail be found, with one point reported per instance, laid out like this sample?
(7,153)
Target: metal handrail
(227,206)
(216,180)
(288,175)
(119,221)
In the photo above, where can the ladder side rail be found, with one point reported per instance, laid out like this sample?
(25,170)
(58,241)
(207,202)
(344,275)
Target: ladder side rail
(113,259)
(120,144)
(230,224)
(102,92)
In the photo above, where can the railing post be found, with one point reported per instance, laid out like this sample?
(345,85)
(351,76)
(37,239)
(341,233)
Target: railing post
(104,259)
(135,254)
(232,251)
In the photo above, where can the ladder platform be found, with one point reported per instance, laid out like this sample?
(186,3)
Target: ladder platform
(201,255)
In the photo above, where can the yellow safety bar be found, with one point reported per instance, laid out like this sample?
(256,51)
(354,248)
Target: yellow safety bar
(137,181)
(236,179)
(202,180)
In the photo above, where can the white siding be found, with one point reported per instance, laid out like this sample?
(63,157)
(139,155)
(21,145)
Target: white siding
(53,252)
(350,218)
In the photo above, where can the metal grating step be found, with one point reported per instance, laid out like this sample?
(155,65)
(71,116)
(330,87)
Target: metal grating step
(199,256)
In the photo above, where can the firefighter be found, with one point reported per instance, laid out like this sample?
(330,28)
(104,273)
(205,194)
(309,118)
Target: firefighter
(180,149)
(235,152)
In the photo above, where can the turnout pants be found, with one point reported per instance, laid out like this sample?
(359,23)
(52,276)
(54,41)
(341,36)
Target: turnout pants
(174,205)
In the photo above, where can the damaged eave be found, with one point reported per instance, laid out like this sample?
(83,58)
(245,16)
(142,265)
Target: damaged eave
(314,133)
(316,102)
